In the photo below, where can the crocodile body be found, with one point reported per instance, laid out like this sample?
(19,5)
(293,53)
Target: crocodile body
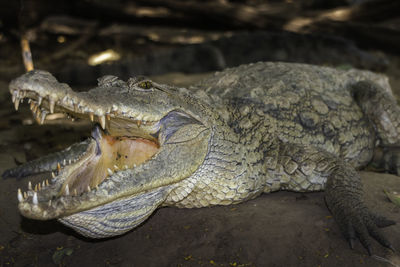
(256,128)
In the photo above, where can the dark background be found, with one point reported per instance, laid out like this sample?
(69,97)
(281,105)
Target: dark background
(179,42)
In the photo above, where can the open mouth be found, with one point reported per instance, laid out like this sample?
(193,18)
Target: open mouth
(109,154)
(142,142)
(121,143)
(146,141)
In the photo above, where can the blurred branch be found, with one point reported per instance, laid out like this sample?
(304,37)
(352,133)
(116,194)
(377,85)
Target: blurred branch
(232,14)
(364,23)
(201,14)
(26,54)
(365,35)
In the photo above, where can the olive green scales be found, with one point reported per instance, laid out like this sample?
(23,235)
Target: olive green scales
(256,128)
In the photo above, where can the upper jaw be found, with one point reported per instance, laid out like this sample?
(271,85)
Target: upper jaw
(46,95)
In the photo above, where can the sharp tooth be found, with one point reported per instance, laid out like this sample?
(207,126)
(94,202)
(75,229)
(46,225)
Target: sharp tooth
(40,100)
(16,103)
(67,190)
(25,195)
(29,185)
(75,192)
(102,120)
(29,101)
(43,184)
(47,182)
(88,188)
(116,167)
(69,161)
(108,116)
(39,187)
(20,197)
(32,105)
(35,199)
(58,166)
(91,116)
(13,97)
(53,175)
(110,172)
(64,162)
(126,167)
(43,117)
(36,187)
(49,202)
(138,123)
(52,103)
(134,165)
(35,108)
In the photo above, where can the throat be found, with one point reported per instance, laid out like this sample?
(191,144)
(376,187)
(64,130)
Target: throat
(115,154)
(122,152)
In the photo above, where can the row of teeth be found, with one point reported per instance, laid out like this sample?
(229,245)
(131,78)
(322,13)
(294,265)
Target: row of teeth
(41,113)
(22,196)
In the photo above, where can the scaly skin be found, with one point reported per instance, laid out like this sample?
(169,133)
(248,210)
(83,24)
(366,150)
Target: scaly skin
(257,128)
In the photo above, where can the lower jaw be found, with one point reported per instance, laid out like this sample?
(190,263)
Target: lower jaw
(116,217)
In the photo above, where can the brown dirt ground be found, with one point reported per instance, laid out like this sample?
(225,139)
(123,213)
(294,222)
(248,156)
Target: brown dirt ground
(279,229)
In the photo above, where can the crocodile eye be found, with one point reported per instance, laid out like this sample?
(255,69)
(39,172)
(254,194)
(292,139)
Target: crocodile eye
(145,85)
(140,83)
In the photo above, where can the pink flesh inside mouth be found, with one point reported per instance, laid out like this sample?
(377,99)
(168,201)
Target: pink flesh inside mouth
(115,153)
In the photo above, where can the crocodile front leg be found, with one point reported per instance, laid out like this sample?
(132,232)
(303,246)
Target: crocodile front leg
(304,168)
(344,199)
(48,162)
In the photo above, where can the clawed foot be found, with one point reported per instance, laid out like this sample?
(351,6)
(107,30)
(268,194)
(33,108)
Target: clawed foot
(358,223)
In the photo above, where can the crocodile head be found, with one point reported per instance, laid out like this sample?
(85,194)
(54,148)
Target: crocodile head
(151,138)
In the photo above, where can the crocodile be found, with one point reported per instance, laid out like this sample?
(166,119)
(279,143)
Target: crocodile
(245,131)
